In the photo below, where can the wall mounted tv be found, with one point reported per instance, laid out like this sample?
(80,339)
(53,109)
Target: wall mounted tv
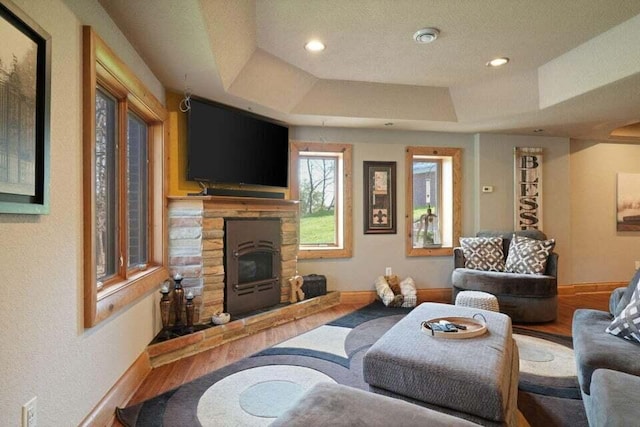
(230,146)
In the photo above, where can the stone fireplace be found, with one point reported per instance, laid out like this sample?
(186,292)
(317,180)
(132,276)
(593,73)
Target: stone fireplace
(198,241)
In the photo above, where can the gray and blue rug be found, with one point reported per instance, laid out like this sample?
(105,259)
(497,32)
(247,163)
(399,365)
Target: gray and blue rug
(255,390)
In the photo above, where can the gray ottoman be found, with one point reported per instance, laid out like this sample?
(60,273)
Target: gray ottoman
(475,378)
(334,405)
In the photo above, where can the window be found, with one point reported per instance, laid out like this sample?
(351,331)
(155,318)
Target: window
(433,201)
(124,184)
(321,181)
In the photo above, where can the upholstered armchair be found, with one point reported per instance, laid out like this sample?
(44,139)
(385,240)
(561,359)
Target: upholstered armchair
(526,298)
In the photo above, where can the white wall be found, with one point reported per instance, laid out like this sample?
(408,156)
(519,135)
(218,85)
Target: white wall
(45,350)
(600,253)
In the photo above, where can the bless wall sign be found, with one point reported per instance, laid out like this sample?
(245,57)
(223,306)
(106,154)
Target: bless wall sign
(528,188)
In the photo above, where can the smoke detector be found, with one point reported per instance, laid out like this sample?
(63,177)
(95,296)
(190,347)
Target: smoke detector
(426,35)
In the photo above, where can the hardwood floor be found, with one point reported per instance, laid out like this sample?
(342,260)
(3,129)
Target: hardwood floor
(169,376)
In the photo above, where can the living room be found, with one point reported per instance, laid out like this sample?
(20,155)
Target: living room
(48,352)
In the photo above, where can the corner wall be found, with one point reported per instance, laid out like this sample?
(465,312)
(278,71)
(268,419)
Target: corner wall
(45,350)
(600,253)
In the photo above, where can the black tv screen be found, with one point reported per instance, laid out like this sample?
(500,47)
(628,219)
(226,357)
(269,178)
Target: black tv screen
(230,146)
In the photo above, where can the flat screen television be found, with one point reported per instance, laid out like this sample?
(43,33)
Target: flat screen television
(230,146)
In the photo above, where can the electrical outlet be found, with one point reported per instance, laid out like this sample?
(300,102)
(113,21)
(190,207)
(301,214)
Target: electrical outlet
(388,271)
(29,416)
(637,265)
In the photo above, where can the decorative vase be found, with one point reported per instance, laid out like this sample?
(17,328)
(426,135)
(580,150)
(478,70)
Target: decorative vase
(178,296)
(165,306)
(189,307)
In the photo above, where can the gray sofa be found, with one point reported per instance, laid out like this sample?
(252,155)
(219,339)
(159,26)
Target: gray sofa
(608,366)
(526,298)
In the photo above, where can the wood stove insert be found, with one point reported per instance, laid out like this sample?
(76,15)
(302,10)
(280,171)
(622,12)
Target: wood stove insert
(252,264)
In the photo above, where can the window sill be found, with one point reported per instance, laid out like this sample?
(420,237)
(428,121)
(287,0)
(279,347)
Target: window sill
(324,253)
(121,294)
(415,252)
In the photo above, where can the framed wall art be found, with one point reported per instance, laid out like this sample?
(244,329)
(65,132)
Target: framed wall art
(25,82)
(528,188)
(379,197)
(628,202)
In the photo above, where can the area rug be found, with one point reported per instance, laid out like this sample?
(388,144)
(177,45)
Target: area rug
(255,390)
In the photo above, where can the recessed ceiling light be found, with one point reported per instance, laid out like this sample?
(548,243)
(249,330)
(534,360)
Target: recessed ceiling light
(538,130)
(498,62)
(389,124)
(314,46)
(426,35)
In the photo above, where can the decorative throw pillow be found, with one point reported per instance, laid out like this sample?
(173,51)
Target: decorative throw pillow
(528,256)
(626,324)
(483,253)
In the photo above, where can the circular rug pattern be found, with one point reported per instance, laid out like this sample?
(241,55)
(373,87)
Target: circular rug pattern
(270,398)
(544,358)
(229,398)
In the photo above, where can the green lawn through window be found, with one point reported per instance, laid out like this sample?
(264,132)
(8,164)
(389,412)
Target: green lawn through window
(318,228)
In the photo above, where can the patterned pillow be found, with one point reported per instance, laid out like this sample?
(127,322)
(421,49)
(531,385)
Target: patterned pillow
(528,256)
(483,253)
(626,324)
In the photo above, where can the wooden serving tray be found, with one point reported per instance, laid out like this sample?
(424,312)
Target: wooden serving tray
(475,327)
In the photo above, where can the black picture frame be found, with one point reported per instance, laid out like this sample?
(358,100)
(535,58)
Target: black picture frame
(379,185)
(25,80)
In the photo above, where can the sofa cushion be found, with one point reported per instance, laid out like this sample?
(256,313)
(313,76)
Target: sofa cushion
(483,253)
(595,349)
(501,283)
(613,401)
(625,325)
(329,404)
(528,256)
(626,297)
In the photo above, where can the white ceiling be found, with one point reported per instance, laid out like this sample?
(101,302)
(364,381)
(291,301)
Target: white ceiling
(574,70)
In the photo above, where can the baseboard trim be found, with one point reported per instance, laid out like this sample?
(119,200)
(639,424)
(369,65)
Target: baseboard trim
(104,412)
(589,288)
(424,295)
(444,294)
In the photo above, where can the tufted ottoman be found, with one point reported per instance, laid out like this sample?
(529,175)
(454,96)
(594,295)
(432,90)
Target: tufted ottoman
(478,299)
(474,378)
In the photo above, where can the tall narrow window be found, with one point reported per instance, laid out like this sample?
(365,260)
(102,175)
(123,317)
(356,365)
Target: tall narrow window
(321,181)
(433,200)
(137,191)
(124,216)
(106,184)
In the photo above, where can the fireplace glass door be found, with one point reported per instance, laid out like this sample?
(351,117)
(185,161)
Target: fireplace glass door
(252,265)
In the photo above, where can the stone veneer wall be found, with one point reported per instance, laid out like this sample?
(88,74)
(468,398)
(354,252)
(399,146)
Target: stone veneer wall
(196,244)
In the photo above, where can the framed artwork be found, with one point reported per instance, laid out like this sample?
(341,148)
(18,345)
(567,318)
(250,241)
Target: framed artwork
(628,202)
(528,188)
(25,82)
(379,197)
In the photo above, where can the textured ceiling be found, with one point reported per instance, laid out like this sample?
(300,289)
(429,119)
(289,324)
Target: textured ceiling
(574,70)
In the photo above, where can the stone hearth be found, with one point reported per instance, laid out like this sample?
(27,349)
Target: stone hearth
(196,243)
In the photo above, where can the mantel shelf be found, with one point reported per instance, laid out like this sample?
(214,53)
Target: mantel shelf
(246,202)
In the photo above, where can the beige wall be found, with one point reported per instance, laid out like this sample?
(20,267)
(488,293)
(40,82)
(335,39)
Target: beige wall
(494,211)
(45,350)
(600,253)
(372,253)
(487,160)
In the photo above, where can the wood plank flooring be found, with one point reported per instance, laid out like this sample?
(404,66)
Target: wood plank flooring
(169,376)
